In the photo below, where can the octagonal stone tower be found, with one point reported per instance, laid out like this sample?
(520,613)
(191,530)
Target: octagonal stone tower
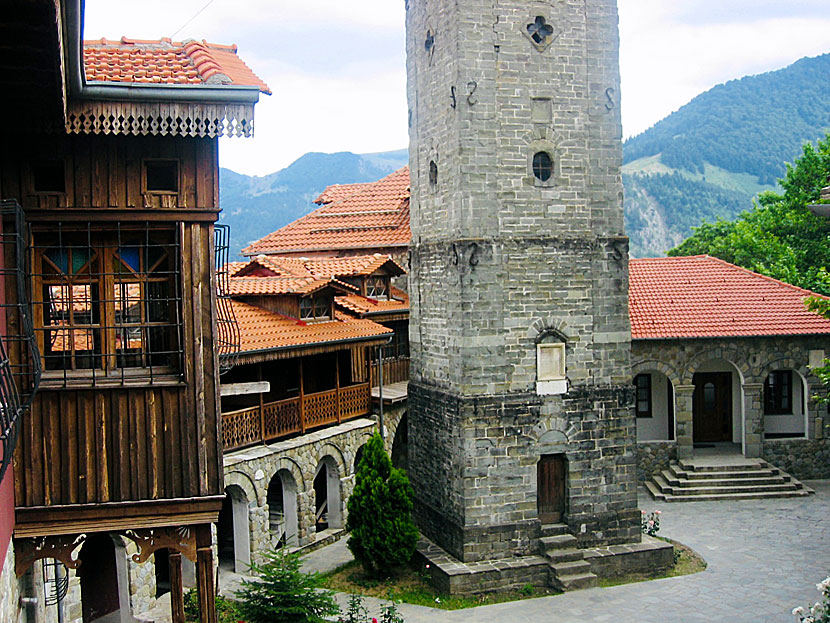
(519,394)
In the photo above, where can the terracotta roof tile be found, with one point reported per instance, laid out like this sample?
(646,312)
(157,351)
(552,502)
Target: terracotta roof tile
(263,266)
(162,61)
(260,329)
(274,286)
(336,192)
(374,216)
(362,305)
(702,296)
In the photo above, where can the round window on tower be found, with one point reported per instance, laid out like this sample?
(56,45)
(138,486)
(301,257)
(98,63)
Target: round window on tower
(542,166)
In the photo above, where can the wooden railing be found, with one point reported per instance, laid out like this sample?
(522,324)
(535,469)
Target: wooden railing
(394,371)
(287,417)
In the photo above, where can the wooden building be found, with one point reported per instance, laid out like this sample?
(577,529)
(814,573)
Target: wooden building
(112,156)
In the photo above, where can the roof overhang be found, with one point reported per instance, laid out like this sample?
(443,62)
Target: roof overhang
(290,352)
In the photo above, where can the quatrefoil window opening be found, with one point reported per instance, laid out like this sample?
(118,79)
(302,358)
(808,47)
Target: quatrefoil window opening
(430,41)
(539,30)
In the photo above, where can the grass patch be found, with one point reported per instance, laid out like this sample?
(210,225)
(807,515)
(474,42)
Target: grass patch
(686,562)
(411,585)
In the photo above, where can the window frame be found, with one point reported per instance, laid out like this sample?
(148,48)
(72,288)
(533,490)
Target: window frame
(775,401)
(375,282)
(112,280)
(638,388)
(317,302)
(154,161)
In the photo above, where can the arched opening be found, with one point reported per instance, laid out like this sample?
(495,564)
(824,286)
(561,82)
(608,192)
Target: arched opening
(328,511)
(717,406)
(358,456)
(654,406)
(282,509)
(104,582)
(786,400)
(233,531)
(400,445)
(552,488)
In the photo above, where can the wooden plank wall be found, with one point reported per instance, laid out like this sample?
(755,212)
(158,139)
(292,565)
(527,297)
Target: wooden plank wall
(106,171)
(99,444)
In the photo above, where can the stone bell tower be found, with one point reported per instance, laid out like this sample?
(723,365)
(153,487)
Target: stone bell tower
(520,339)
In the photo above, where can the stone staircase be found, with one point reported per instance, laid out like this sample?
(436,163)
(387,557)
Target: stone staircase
(568,568)
(723,478)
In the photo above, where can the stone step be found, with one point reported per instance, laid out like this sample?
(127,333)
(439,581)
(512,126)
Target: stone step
(730,488)
(749,465)
(576,581)
(734,496)
(571,567)
(654,491)
(660,483)
(553,529)
(677,471)
(556,556)
(560,541)
(676,481)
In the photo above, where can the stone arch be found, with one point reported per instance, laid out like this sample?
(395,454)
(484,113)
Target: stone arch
(668,370)
(552,431)
(400,444)
(336,453)
(234,529)
(731,354)
(245,482)
(283,518)
(328,496)
(778,424)
(541,328)
(293,467)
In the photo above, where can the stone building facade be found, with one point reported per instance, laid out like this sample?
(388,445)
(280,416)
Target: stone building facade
(798,443)
(519,324)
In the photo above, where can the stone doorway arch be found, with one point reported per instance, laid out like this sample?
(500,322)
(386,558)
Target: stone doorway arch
(234,530)
(283,519)
(327,498)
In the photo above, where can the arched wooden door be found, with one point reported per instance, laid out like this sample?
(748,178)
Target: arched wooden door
(551,485)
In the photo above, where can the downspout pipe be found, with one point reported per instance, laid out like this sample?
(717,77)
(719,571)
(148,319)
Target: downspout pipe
(79,88)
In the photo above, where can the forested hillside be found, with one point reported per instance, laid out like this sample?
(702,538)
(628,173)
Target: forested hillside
(712,156)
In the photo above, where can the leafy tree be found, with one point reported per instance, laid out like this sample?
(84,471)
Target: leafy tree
(822,307)
(383,535)
(780,237)
(284,594)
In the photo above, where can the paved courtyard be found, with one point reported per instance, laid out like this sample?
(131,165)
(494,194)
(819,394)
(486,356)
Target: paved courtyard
(764,556)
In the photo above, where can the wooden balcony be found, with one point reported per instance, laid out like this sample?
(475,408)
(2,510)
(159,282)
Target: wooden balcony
(275,420)
(394,371)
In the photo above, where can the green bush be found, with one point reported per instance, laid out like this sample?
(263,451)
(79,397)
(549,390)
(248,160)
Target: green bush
(284,594)
(225,608)
(383,535)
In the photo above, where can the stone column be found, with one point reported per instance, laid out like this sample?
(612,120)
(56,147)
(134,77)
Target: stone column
(684,408)
(753,419)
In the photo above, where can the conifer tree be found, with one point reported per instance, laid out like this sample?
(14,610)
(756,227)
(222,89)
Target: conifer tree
(383,535)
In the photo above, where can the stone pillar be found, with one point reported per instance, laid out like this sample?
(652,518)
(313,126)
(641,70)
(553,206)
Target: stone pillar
(684,420)
(753,421)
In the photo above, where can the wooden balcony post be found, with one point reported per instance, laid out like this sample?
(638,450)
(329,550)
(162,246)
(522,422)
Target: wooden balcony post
(337,386)
(176,588)
(204,575)
(261,408)
(302,399)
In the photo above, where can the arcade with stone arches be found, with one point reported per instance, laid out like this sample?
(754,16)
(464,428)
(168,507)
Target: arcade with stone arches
(294,493)
(746,396)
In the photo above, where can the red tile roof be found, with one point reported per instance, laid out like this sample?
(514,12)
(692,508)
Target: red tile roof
(336,192)
(362,305)
(163,61)
(263,266)
(260,329)
(375,216)
(702,296)
(272,286)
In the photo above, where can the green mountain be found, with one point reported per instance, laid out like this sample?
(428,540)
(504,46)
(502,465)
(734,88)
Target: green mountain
(256,206)
(712,156)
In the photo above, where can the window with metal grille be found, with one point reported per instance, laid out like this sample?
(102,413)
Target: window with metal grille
(107,303)
(377,287)
(542,166)
(315,308)
(778,393)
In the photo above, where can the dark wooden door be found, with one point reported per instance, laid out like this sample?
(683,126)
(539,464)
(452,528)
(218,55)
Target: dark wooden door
(551,479)
(712,406)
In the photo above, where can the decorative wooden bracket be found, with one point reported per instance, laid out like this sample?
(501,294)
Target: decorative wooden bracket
(180,539)
(60,547)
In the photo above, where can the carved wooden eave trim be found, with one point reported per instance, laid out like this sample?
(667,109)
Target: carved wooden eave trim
(160,118)
(64,547)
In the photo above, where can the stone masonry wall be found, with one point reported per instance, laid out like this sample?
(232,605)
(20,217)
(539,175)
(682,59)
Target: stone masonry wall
(653,457)
(805,459)
(9,589)
(502,261)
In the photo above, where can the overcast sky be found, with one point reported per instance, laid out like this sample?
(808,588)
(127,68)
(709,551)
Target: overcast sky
(337,68)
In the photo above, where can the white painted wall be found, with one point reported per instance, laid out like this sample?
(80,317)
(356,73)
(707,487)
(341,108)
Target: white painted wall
(656,428)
